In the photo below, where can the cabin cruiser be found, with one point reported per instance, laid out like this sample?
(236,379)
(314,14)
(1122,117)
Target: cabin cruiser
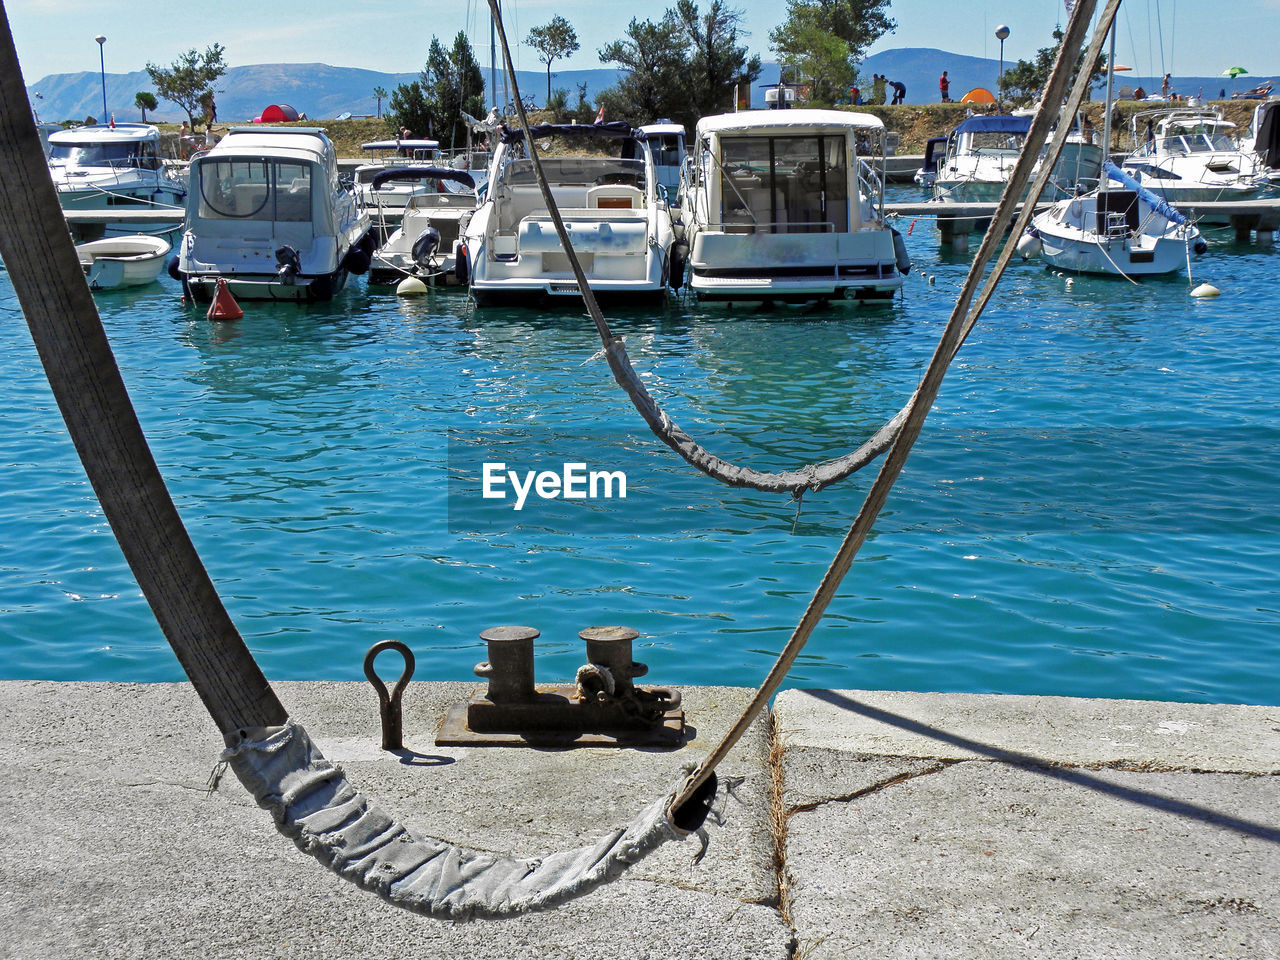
(425,245)
(980,154)
(1189,157)
(268,214)
(788,205)
(386,207)
(615,214)
(114,166)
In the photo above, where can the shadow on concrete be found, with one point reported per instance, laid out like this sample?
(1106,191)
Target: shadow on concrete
(1080,778)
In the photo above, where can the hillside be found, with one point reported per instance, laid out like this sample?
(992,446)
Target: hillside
(323,92)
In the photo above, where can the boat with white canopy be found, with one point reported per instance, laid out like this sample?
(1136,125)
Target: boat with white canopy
(788,205)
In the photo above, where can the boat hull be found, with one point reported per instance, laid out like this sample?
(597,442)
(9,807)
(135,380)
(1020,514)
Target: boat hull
(122,261)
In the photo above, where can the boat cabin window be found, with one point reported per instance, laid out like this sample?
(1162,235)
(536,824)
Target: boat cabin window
(579,171)
(141,155)
(668,155)
(255,190)
(784,184)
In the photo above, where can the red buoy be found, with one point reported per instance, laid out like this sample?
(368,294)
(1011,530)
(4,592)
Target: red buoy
(224,306)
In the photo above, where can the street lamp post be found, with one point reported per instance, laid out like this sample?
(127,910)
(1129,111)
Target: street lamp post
(1002,34)
(102,66)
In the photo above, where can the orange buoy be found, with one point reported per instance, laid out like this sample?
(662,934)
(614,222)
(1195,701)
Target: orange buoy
(224,306)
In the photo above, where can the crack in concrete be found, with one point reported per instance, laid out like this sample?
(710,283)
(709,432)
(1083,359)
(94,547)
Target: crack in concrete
(873,788)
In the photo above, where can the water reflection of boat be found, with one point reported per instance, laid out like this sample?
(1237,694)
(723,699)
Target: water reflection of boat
(267,214)
(789,206)
(122,261)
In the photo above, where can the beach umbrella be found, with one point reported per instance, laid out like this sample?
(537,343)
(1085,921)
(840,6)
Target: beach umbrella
(1233,72)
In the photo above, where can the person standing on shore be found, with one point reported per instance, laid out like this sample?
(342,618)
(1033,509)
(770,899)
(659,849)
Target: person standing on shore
(899,91)
(877,89)
(944,87)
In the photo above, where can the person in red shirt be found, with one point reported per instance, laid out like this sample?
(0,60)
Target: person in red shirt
(944,87)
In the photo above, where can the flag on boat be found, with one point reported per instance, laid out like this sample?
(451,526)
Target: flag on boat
(600,114)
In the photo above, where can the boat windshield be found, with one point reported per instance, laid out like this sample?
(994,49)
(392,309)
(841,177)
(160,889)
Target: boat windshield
(992,142)
(784,184)
(580,171)
(240,189)
(141,155)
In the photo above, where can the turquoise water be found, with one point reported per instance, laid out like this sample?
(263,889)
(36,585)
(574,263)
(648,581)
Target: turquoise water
(1092,510)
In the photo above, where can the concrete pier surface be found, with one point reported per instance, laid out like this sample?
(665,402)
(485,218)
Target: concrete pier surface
(861,825)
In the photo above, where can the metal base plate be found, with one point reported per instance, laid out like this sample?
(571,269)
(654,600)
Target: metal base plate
(454,732)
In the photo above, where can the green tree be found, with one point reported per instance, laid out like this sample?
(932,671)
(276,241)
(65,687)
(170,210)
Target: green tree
(655,68)
(553,41)
(189,80)
(1022,82)
(825,40)
(380,93)
(717,62)
(450,83)
(144,100)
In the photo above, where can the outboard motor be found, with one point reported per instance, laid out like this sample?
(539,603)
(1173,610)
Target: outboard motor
(288,265)
(426,247)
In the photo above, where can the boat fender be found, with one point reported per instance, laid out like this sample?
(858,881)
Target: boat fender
(356,261)
(425,247)
(462,264)
(288,265)
(1029,244)
(675,269)
(172,267)
(368,243)
(1200,247)
(321,288)
(900,253)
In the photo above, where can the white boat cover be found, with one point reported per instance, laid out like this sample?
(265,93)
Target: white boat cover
(314,805)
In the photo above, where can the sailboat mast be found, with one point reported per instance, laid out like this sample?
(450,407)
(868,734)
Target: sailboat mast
(493,61)
(1106,116)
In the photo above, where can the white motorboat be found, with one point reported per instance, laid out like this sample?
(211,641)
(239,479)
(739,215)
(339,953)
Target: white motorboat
(617,219)
(788,205)
(115,166)
(386,207)
(981,153)
(268,214)
(1187,156)
(667,141)
(425,245)
(122,261)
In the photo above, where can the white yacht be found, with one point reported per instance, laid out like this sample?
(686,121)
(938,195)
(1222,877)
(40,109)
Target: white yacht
(788,205)
(425,244)
(386,207)
(617,218)
(115,166)
(981,152)
(268,214)
(1189,156)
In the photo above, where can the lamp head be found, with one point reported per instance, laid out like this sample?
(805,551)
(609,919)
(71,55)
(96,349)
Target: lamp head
(101,39)
(1002,32)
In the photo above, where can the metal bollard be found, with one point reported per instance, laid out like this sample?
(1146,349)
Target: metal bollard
(610,647)
(509,668)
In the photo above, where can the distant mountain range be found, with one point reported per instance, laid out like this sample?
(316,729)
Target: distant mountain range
(323,92)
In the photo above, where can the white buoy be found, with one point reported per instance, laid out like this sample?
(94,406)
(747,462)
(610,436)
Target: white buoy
(931,279)
(410,287)
(1206,290)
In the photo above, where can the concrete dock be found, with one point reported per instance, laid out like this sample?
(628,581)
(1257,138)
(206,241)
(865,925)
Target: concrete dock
(861,825)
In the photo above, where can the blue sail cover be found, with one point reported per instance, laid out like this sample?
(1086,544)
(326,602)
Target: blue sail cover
(1162,207)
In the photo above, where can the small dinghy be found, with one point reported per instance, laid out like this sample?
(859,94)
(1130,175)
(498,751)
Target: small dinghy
(122,261)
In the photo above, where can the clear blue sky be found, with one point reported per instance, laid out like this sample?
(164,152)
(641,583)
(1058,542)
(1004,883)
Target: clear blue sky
(56,36)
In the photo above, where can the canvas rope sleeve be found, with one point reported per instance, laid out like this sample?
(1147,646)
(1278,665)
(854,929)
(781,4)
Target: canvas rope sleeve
(315,805)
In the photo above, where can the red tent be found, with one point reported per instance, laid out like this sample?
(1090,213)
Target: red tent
(277,113)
